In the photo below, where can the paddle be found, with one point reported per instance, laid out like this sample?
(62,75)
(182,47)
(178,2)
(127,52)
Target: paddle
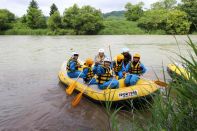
(71,87)
(77,99)
(158,82)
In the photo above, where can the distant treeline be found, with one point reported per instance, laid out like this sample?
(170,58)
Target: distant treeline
(164,16)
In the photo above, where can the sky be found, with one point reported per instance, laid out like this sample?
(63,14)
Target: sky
(19,7)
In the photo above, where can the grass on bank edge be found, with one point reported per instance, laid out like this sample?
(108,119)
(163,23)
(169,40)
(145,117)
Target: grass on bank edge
(170,112)
(37,32)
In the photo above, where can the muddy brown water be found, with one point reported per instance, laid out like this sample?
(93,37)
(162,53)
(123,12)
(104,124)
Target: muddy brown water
(30,93)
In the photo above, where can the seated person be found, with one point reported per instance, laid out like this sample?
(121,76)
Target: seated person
(88,72)
(134,68)
(100,57)
(118,66)
(104,76)
(127,56)
(73,65)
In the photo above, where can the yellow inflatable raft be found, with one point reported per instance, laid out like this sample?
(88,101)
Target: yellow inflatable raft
(177,69)
(143,88)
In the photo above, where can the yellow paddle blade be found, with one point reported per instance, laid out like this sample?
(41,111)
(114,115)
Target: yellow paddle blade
(71,88)
(161,83)
(76,100)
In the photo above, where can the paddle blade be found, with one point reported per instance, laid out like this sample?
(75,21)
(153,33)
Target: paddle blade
(161,83)
(71,88)
(76,100)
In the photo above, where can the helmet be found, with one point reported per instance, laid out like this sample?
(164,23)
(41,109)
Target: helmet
(75,53)
(107,59)
(101,50)
(125,50)
(120,57)
(89,61)
(136,55)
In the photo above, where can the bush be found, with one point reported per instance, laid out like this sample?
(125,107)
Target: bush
(153,20)
(85,20)
(177,23)
(54,21)
(173,21)
(6,18)
(179,111)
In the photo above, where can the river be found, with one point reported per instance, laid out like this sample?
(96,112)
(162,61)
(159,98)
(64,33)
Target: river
(32,97)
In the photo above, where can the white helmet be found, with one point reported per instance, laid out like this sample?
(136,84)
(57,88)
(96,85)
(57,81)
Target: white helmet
(107,59)
(75,53)
(125,50)
(101,50)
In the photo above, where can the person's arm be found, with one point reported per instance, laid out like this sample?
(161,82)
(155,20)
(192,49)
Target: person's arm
(128,67)
(95,69)
(100,70)
(143,68)
(85,72)
(123,67)
(72,66)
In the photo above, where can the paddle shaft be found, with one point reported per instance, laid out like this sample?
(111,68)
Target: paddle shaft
(161,82)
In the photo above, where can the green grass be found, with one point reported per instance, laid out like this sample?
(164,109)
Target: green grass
(26,32)
(120,27)
(179,111)
(37,32)
(170,111)
(194,33)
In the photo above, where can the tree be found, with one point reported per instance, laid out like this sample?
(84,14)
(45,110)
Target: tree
(190,7)
(54,21)
(33,4)
(35,19)
(133,12)
(53,9)
(71,17)
(153,20)
(177,22)
(164,4)
(86,20)
(6,18)
(24,19)
(91,20)
(172,22)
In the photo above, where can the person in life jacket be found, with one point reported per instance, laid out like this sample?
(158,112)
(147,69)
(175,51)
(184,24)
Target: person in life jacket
(118,66)
(127,56)
(100,57)
(104,75)
(134,70)
(88,72)
(73,65)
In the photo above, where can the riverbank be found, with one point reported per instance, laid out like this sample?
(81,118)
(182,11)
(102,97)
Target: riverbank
(112,26)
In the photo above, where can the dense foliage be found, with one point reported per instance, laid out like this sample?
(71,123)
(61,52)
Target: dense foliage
(164,17)
(85,20)
(53,9)
(172,22)
(6,18)
(190,7)
(133,12)
(164,4)
(34,18)
(54,22)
